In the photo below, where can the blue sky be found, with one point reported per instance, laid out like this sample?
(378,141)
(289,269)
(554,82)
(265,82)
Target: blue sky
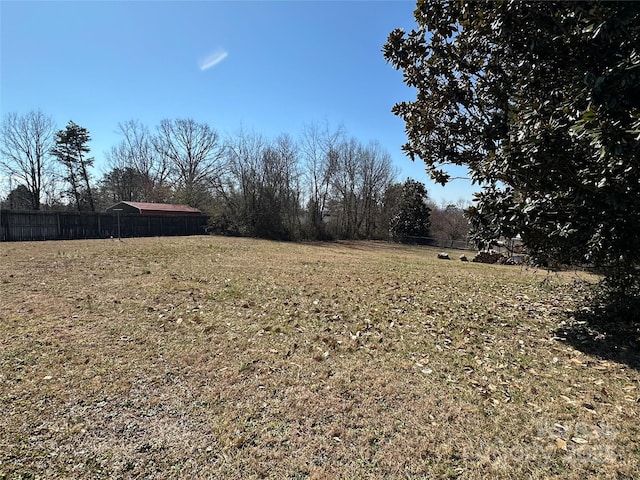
(268,67)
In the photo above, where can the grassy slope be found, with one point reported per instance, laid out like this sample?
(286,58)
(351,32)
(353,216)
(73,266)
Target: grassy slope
(235,358)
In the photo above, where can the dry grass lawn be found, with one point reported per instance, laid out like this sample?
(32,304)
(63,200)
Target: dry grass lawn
(213,357)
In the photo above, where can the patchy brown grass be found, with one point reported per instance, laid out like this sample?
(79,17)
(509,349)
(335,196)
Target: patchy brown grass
(212,357)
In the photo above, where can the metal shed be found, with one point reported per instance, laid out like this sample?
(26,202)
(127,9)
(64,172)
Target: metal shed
(147,208)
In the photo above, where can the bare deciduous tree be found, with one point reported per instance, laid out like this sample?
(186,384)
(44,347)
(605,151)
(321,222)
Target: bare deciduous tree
(25,145)
(261,191)
(136,154)
(360,180)
(448,222)
(346,189)
(279,192)
(319,148)
(241,192)
(377,174)
(195,157)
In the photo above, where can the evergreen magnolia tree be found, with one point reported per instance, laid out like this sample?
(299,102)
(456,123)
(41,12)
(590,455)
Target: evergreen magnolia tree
(412,216)
(541,102)
(71,150)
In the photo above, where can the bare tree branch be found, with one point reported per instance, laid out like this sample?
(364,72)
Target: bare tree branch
(25,144)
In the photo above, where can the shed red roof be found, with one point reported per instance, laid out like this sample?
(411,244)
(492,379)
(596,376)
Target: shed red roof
(161,208)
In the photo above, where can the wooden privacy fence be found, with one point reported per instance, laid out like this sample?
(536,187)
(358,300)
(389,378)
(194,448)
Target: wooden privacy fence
(31,225)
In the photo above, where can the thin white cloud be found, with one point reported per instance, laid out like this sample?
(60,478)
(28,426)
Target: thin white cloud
(213,59)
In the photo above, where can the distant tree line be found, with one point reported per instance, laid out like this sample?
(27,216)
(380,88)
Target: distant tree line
(322,185)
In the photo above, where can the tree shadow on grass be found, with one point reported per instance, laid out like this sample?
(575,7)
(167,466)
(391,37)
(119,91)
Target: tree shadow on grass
(610,331)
